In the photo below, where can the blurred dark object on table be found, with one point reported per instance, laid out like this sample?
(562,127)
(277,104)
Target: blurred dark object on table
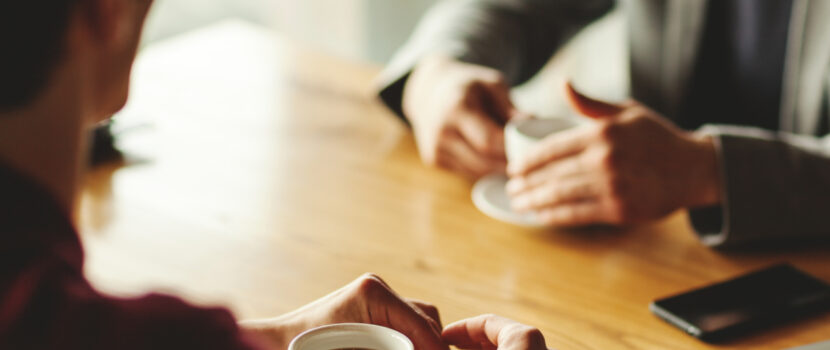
(103,146)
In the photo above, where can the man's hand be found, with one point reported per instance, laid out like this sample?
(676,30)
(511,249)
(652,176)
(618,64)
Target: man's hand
(366,300)
(457,111)
(490,332)
(630,166)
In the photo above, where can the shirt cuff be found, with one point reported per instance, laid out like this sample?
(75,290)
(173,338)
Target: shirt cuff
(711,224)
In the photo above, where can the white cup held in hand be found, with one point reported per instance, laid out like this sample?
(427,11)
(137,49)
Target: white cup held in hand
(351,336)
(521,136)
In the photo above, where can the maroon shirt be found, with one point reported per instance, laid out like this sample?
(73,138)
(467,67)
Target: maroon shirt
(46,303)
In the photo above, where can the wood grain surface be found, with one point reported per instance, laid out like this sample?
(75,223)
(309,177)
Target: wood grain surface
(262,175)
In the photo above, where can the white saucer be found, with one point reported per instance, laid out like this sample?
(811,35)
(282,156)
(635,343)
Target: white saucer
(490,197)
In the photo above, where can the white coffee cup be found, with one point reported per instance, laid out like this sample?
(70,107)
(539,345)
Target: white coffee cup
(351,336)
(522,135)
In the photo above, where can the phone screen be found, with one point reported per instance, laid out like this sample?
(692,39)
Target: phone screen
(760,298)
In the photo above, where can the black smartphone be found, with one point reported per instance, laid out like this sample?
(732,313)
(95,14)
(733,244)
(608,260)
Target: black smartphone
(732,308)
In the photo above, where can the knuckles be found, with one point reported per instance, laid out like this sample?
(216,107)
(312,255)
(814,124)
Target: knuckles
(534,337)
(369,284)
(488,317)
(639,112)
(616,130)
(489,146)
(609,132)
(429,308)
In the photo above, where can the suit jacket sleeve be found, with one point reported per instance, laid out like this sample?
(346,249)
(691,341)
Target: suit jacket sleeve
(776,187)
(516,37)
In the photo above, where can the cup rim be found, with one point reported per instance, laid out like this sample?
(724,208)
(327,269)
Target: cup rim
(519,127)
(355,327)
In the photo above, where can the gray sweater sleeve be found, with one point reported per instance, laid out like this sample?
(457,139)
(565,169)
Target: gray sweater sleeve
(776,187)
(516,37)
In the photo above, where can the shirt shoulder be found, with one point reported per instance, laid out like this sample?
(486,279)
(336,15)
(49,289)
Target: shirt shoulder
(31,221)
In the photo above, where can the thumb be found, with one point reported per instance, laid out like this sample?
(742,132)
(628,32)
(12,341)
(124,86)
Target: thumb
(590,107)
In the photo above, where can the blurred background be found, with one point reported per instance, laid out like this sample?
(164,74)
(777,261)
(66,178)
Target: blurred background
(358,29)
(372,30)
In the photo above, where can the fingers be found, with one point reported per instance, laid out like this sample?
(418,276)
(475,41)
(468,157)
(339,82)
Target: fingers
(497,103)
(472,333)
(557,146)
(557,192)
(575,214)
(490,332)
(482,134)
(572,141)
(590,107)
(447,100)
(423,331)
(428,309)
(446,162)
(459,156)
(480,121)
(386,308)
(554,171)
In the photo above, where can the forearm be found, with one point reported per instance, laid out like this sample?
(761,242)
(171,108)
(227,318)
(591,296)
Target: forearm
(275,333)
(703,172)
(514,37)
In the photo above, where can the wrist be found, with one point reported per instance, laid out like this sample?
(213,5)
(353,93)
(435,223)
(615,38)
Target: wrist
(705,183)
(276,332)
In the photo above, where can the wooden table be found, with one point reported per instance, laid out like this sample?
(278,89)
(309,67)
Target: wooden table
(262,175)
